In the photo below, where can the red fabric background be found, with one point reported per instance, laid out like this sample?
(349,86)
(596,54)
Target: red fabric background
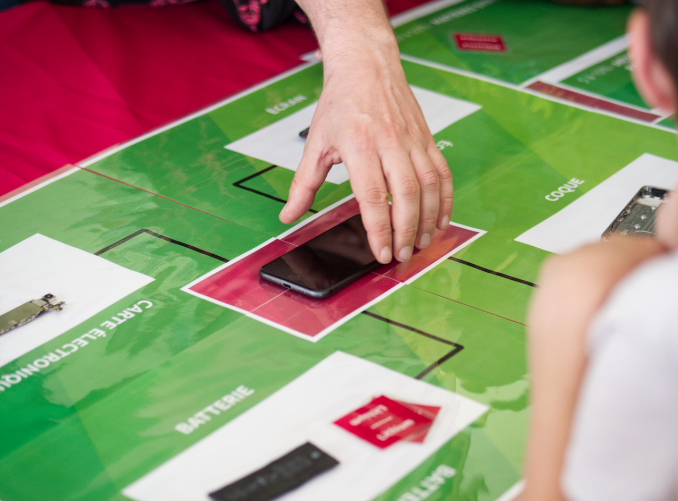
(77,80)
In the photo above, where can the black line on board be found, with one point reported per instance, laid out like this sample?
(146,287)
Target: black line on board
(486,270)
(162,237)
(440,361)
(257,192)
(443,359)
(238,184)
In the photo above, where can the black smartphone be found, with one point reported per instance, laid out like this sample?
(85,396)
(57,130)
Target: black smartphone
(325,264)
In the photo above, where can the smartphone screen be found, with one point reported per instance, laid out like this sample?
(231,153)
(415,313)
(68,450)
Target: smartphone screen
(326,263)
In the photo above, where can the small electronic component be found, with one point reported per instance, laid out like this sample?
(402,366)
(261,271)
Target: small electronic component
(304,133)
(28,311)
(637,218)
(282,475)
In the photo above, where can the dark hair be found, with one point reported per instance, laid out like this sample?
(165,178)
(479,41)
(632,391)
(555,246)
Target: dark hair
(664,32)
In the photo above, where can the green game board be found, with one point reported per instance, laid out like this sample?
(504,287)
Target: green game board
(610,78)
(584,47)
(538,36)
(177,204)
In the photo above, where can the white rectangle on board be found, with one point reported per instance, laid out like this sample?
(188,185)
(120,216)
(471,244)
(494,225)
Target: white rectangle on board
(40,265)
(304,411)
(280,144)
(584,220)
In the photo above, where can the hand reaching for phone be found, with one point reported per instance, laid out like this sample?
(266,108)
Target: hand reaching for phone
(368,118)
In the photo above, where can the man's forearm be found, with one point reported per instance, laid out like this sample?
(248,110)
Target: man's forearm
(342,26)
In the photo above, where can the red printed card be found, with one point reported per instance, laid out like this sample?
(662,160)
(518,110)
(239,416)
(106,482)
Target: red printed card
(483,43)
(383,422)
(428,411)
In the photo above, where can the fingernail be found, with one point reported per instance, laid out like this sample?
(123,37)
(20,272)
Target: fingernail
(405,253)
(424,241)
(445,222)
(385,255)
(283,210)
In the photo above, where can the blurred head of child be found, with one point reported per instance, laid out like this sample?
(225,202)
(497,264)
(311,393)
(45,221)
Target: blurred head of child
(653,33)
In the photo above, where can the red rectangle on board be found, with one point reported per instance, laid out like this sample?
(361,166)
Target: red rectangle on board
(315,319)
(442,243)
(239,284)
(592,102)
(326,221)
(482,43)
(383,422)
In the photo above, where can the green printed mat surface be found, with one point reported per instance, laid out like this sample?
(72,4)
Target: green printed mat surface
(89,411)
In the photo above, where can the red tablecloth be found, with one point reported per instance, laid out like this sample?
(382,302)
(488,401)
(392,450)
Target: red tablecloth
(77,80)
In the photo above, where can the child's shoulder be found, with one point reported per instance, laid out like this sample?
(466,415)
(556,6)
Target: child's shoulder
(623,440)
(643,306)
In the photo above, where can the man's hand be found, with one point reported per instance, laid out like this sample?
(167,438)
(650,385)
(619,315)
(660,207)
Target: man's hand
(368,118)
